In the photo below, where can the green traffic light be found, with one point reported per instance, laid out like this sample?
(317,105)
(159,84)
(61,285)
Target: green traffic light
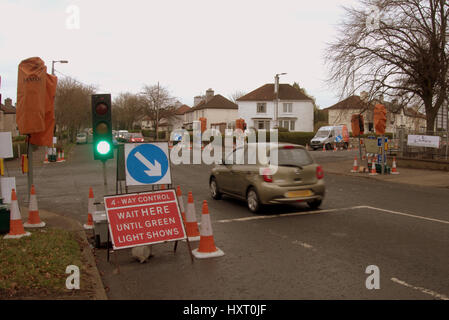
(103,147)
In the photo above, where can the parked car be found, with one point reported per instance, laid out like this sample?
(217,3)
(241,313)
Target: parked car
(81,138)
(136,137)
(297,179)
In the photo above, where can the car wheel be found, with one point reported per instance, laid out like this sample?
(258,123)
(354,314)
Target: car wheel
(315,204)
(252,199)
(214,191)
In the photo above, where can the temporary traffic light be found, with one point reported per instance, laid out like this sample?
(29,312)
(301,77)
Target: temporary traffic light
(102,127)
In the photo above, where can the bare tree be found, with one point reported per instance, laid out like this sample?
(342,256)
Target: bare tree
(72,106)
(394,48)
(127,109)
(235,95)
(158,104)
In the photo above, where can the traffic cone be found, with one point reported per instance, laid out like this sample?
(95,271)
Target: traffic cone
(16,230)
(46,157)
(34,221)
(59,157)
(393,167)
(181,203)
(355,167)
(373,168)
(324,147)
(335,147)
(62,155)
(90,210)
(207,248)
(191,224)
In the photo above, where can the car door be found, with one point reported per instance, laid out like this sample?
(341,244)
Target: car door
(225,176)
(242,172)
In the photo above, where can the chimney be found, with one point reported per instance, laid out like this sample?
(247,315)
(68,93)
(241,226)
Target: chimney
(209,94)
(8,102)
(364,96)
(197,100)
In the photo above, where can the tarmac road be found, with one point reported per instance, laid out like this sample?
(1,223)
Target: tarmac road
(285,252)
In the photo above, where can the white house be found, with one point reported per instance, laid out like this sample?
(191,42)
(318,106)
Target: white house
(295,109)
(219,112)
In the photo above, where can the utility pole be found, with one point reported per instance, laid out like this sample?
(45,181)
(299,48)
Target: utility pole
(157,113)
(276,101)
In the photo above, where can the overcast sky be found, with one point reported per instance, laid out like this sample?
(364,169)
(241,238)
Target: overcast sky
(186,45)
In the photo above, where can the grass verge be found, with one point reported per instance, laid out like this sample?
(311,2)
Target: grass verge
(36,265)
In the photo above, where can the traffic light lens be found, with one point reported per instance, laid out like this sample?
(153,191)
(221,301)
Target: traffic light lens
(103,147)
(102,128)
(101,109)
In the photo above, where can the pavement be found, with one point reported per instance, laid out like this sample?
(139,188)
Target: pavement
(420,177)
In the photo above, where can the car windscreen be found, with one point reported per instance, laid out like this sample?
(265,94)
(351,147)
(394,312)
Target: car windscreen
(322,134)
(293,157)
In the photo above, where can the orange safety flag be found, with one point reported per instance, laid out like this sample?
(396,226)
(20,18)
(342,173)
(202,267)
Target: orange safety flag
(380,118)
(45,138)
(31,96)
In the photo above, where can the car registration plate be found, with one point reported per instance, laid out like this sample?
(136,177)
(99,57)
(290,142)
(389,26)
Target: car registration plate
(301,193)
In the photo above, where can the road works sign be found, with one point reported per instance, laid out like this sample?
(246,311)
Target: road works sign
(147,163)
(139,219)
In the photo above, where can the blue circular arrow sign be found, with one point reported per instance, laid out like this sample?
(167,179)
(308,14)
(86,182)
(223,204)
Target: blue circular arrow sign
(147,164)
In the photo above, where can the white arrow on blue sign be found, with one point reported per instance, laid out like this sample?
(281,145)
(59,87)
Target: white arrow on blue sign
(147,163)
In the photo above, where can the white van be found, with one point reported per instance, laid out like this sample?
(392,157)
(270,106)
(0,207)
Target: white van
(330,135)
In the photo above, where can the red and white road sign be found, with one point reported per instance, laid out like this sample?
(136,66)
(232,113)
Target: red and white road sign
(139,219)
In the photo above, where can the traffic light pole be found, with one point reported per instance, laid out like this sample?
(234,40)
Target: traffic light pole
(105,180)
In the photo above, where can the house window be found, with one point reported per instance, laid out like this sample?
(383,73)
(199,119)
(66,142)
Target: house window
(288,124)
(262,124)
(261,108)
(288,107)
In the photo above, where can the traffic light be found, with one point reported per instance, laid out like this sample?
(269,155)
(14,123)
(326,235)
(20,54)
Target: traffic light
(102,127)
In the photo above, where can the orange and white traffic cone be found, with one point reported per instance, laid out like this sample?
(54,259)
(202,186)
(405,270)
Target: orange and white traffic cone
(324,147)
(62,156)
(355,166)
(191,224)
(59,157)
(207,248)
(16,230)
(181,203)
(393,167)
(46,157)
(90,210)
(335,147)
(34,221)
(373,168)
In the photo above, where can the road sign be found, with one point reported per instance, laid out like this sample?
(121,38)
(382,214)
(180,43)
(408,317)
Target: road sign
(144,218)
(338,138)
(147,163)
(379,141)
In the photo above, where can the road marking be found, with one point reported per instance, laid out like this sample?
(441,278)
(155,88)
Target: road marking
(330,210)
(288,214)
(423,290)
(407,215)
(303,244)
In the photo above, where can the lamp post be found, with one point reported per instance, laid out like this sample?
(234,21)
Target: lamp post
(53,65)
(276,91)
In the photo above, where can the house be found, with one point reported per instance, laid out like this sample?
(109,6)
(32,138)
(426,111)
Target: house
(295,109)
(219,112)
(175,122)
(8,118)
(408,117)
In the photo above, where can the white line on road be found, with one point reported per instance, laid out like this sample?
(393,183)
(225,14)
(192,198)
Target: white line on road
(423,290)
(330,210)
(288,214)
(407,215)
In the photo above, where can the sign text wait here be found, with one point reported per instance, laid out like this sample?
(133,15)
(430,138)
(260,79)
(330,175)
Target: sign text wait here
(144,218)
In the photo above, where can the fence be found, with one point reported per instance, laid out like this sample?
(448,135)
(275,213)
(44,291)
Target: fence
(399,145)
